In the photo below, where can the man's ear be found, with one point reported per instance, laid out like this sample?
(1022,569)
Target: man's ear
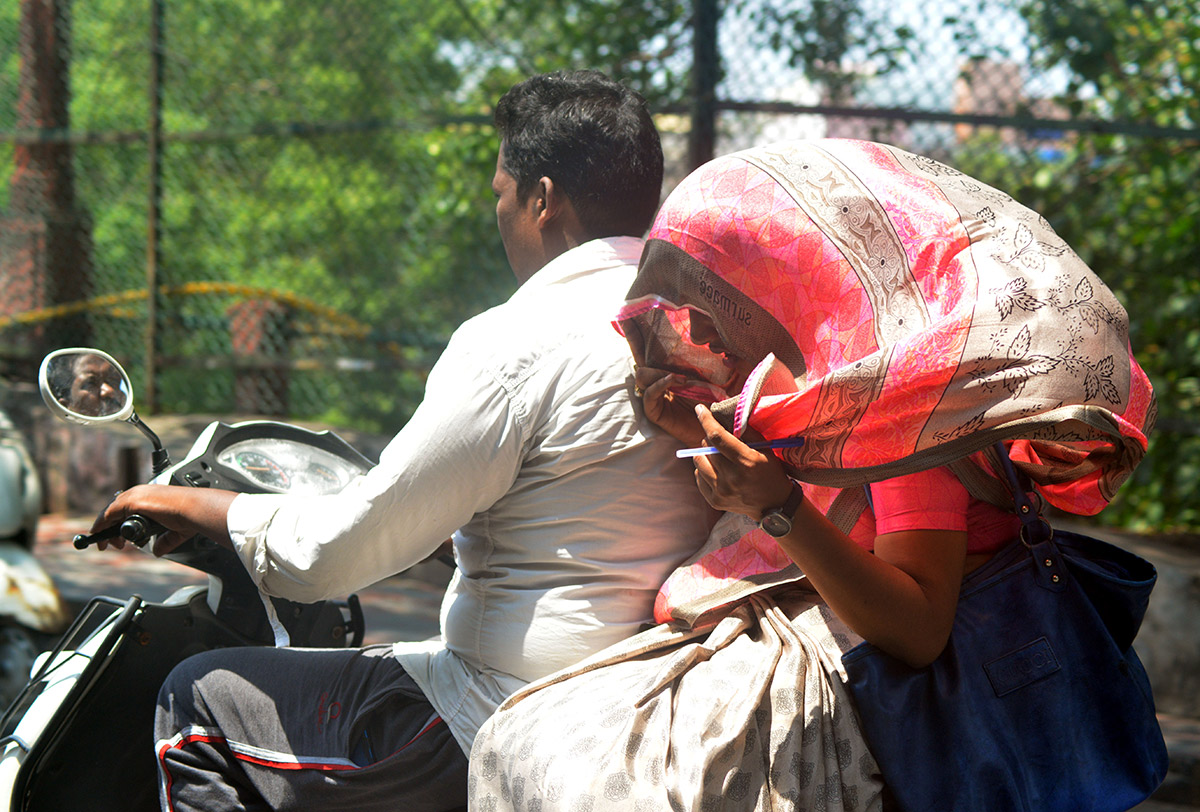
(548,201)
(557,219)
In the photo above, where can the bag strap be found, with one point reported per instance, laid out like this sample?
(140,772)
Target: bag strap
(847,506)
(1034,528)
(1036,533)
(845,509)
(982,484)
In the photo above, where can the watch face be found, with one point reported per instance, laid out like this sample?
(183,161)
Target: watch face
(776,525)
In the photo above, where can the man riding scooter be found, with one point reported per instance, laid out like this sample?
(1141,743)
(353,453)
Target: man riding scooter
(567,507)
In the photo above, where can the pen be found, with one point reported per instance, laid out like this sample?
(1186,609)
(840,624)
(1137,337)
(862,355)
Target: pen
(787,442)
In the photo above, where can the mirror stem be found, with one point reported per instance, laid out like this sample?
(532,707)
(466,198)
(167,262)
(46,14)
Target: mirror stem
(159,458)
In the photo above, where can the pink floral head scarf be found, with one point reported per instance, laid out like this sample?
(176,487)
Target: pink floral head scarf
(908,316)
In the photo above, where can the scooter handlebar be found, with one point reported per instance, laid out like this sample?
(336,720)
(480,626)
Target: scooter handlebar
(136,529)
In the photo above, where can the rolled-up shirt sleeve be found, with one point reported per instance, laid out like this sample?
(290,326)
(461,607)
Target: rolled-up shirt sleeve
(460,452)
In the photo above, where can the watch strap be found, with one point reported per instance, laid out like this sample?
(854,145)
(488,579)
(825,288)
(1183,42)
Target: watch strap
(782,516)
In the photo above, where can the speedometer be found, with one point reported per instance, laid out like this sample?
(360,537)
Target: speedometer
(262,469)
(281,465)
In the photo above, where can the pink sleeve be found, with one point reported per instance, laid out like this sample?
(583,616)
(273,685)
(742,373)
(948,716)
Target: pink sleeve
(928,500)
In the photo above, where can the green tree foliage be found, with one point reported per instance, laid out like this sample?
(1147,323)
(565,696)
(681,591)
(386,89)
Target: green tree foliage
(826,38)
(381,209)
(1130,207)
(641,42)
(343,215)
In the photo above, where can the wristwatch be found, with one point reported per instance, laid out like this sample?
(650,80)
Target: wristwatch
(777,522)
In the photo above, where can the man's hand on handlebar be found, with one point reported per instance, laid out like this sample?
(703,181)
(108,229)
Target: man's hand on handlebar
(184,512)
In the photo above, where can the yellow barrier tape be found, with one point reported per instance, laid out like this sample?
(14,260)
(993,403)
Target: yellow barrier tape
(350,325)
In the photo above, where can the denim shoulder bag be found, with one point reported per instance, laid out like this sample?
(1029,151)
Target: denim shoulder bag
(1038,701)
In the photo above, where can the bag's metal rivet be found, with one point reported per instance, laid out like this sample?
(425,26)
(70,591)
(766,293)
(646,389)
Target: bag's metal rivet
(1054,578)
(1049,562)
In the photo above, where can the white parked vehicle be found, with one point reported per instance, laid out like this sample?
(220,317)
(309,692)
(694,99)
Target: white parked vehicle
(31,609)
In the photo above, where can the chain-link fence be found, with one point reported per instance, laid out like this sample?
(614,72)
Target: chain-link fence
(284,208)
(240,198)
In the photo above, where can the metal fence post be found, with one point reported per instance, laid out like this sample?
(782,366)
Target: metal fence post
(153,217)
(706,70)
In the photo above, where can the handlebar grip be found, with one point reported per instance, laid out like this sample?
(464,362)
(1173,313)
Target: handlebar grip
(85,540)
(139,528)
(136,529)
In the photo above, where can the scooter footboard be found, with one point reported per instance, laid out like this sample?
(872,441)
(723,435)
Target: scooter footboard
(102,691)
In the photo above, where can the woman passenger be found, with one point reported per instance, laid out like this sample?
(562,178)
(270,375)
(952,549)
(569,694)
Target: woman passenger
(900,317)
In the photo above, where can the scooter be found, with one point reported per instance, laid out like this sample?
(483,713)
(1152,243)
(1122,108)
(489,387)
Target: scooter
(79,735)
(32,612)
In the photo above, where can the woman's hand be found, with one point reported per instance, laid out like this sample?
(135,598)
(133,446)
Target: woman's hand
(739,478)
(666,409)
(902,597)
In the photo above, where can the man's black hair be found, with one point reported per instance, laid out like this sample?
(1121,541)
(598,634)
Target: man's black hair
(594,138)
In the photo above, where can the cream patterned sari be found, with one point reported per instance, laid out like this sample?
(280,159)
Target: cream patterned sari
(749,714)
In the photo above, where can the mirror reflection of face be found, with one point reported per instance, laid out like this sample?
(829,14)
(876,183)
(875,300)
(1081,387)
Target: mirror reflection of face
(97,387)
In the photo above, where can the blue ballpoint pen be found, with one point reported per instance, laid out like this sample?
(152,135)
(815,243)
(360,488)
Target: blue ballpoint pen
(788,442)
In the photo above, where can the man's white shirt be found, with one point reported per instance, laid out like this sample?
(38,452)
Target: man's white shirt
(568,508)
